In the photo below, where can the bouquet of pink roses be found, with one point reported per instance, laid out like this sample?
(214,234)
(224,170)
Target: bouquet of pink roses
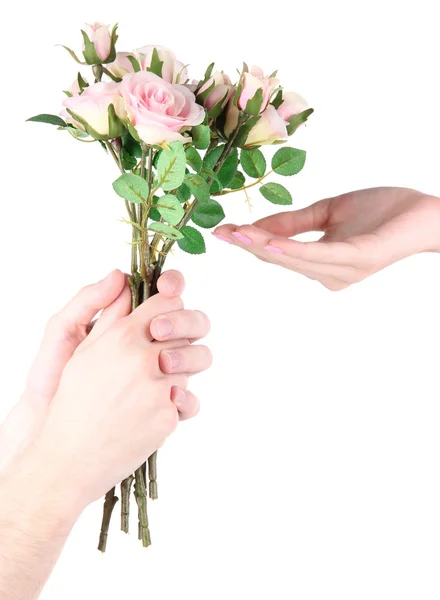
(179,147)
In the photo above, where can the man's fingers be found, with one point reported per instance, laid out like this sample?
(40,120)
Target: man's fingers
(288,224)
(119,309)
(156,305)
(171,284)
(186,403)
(90,300)
(189,359)
(190,324)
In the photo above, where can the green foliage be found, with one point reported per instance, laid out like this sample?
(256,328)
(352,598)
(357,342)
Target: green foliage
(198,187)
(296,120)
(288,161)
(242,135)
(193,159)
(72,54)
(170,209)
(183,193)
(253,106)
(209,214)
(202,97)
(238,181)
(50,119)
(131,187)
(201,136)
(253,163)
(89,52)
(128,162)
(276,193)
(192,241)
(171,167)
(227,171)
(278,100)
(156,64)
(153,213)
(166,230)
(134,63)
(131,146)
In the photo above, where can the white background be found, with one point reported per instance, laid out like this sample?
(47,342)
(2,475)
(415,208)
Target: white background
(313,470)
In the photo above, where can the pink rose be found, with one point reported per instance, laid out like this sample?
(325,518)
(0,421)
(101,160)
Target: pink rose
(255,82)
(74,89)
(222,90)
(100,36)
(293,104)
(92,108)
(121,65)
(173,70)
(160,111)
(270,128)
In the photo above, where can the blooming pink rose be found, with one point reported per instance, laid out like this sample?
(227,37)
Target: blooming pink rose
(99,34)
(222,91)
(160,111)
(293,104)
(173,70)
(270,128)
(254,81)
(121,65)
(92,107)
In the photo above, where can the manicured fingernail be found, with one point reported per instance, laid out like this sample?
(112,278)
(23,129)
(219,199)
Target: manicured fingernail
(164,327)
(179,398)
(274,249)
(174,359)
(242,238)
(223,238)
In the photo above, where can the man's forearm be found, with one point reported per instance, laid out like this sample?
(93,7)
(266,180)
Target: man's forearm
(37,513)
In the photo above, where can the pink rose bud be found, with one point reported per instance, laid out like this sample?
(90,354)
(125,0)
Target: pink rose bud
(216,92)
(256,91)
(160,111)
(75,89)
(293,104)
(173,70)
(121,65)
(270,128)
(99,43)
(231,121)
(91,111)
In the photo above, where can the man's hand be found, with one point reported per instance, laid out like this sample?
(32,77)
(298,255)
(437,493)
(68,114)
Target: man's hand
(364,232)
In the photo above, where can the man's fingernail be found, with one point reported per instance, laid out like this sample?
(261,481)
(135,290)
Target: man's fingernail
(223,238)
(242,238)
(274,249)
(180,398)
(174,359)
(172,283)
(164,327)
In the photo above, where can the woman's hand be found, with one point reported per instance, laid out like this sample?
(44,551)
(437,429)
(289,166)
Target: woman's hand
(364,232)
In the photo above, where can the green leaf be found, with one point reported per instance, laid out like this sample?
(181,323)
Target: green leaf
(114,38)
(72,54)
(153,213)
(128,162)
(209,71)
(228,169)
(278,100)
(238,181)
(192,241)
(207,172)
(209,214)
(276,193)
(165,230)
(82,83)
(193,159)
(131,146)
(156,64)
(242,135)
(116,126)
(131,187)
(170,209)
(171,166)
(201,136)
(198,187)
(296,120)
(253,163)
(183,193)
(253,106)
(134,63)
(288,161)
(90,55)
(51,119)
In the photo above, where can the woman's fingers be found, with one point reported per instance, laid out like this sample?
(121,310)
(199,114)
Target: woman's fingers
(189,324)
(186,403)
(288,224)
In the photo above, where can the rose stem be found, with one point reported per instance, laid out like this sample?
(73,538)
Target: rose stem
(125,503)
(140,493)
(109,504)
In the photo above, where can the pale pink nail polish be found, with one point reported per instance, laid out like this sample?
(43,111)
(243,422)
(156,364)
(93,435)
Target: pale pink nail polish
(274,249)
(242,238)
(223,238)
